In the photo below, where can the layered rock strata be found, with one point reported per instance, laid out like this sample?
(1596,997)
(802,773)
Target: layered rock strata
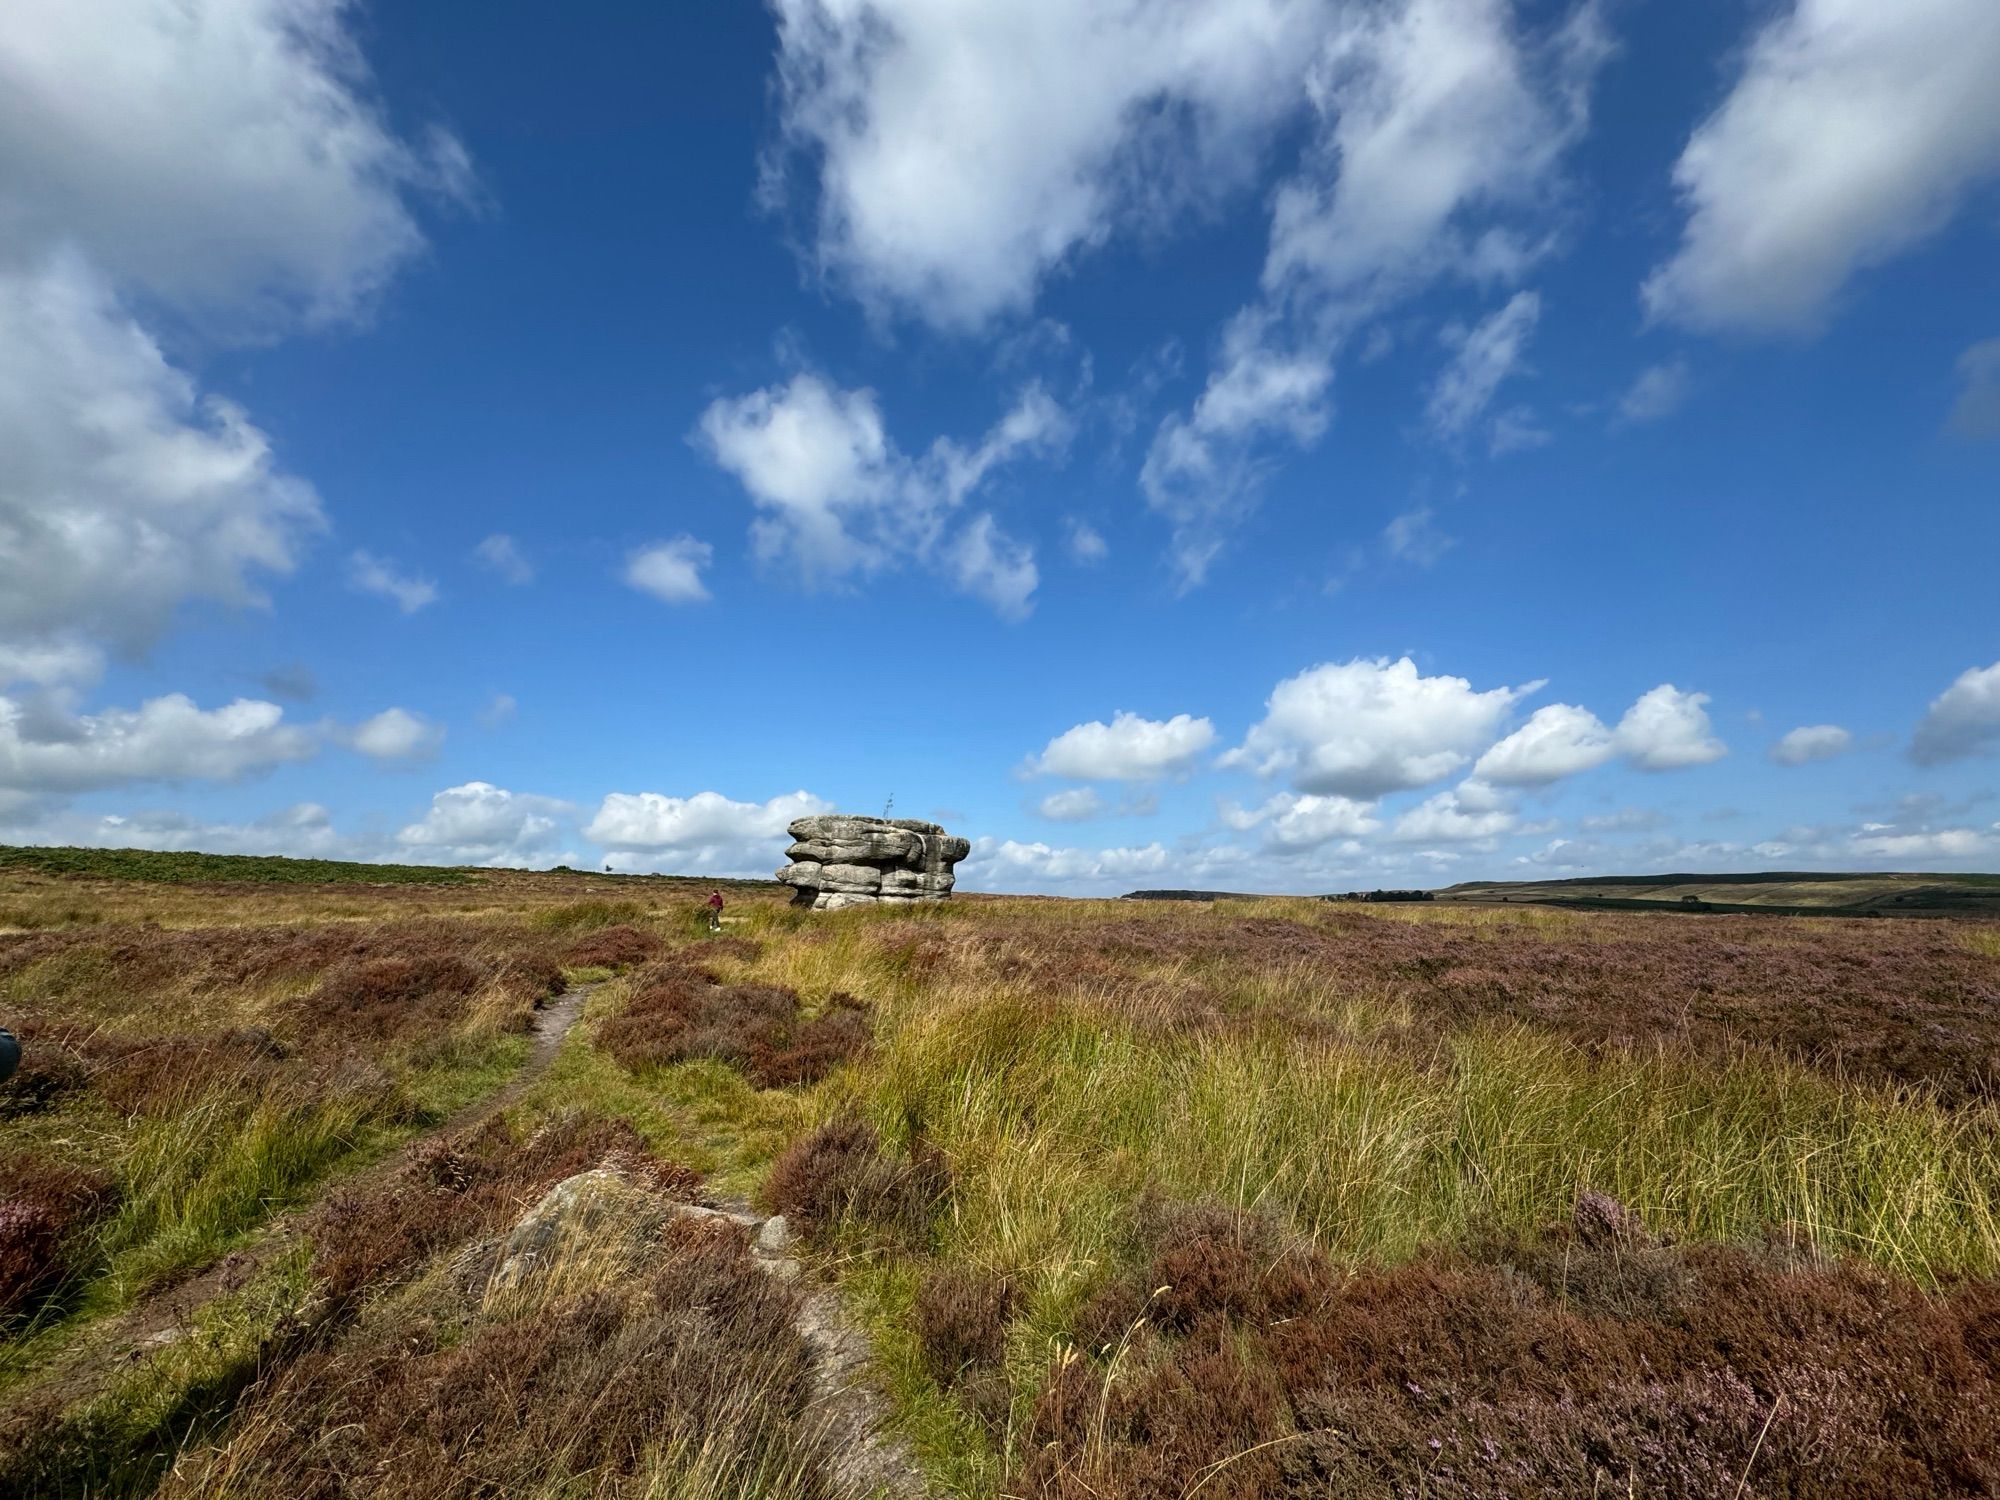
(839,860)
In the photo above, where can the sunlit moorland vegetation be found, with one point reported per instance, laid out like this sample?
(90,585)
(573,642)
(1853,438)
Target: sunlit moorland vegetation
(1233,1199)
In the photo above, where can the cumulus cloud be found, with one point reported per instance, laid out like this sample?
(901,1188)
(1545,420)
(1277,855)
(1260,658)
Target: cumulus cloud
(1976,413)
(396,734)
(1364,728)
(1293,823)
(1852,133)
(223,155)
(1668,730)
(670,571)
(1558,740)
(123,491)
(479,823)
(706,832)
(1009,864)
(1656,394)
(46,749)
(964,152)
(1465,815)
(504,556)
(836,496)
(1963,720)
(1129,748)
(1484,356)
(1809,743)
(409,592)
(221,164)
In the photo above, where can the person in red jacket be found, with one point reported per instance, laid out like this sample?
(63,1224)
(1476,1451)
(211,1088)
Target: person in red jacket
(715,911)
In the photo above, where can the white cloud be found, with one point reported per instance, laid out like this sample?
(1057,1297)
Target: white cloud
(1129,748)
(221,164)
(220,154)
(1086,542)
(47,663)
(1668,730)
(1962,720)
(1415,537)
(44,748)
(1852,134)
(1201,472)
(1809,743)
(1366,727)
(1976,413)
(706,832)
(479,823)
(990,565)
(1454,817)
(1558,740)
(965,151)
(1945,843)
(499,709)
(374,575)
(1485,356)
(123,492)
(1005,863)
(1657,393)
(1432,115)
(504,556)
(1293,823)
(670,571)
(301,831)
(837,497)
(396,734)
(1078,804)
(1438,129)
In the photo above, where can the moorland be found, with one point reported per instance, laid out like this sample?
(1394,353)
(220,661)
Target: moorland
(1230,1199)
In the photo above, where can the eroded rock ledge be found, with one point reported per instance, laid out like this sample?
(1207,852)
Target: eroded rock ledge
(841,860)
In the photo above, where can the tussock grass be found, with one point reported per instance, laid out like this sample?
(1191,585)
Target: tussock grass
(1055,1115)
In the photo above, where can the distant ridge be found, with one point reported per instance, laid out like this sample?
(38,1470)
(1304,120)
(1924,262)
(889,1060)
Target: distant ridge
(1772,892)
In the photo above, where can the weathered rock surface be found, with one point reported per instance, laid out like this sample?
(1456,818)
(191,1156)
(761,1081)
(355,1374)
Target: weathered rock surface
(840,860)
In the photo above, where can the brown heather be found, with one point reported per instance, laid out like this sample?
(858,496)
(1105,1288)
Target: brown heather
(1574,1364)
(448,1191)
(678,1014)
(841,1175)
(695,1370)
(1884,1001)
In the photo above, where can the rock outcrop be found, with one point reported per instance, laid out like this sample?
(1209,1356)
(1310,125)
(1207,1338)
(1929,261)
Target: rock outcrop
(839,860)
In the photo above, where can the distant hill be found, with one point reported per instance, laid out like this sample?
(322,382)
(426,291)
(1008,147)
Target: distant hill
(1793,892)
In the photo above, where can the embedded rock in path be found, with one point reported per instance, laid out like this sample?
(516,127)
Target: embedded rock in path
(840,860)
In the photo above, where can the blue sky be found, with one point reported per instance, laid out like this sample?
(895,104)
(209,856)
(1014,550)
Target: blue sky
(1265,444)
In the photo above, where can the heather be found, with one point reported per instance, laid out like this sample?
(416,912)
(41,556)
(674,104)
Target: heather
(1251,1198)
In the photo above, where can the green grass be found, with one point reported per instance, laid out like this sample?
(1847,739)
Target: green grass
(180,866)
(1055,1119)
(121,1441)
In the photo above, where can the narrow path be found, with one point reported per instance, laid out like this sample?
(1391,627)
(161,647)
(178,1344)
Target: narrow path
(867,1459)
(163,1317)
